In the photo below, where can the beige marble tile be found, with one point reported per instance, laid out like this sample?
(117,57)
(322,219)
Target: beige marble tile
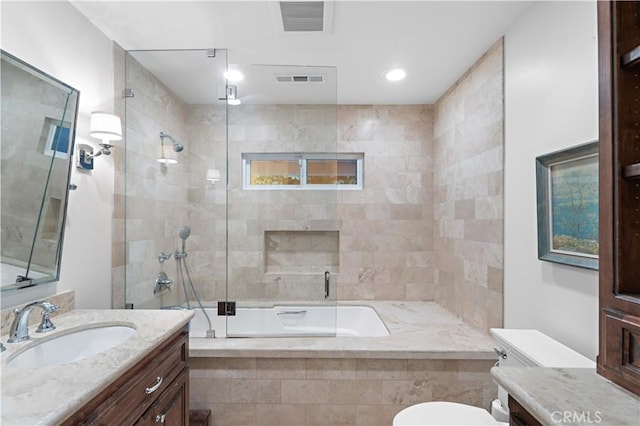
(356,391)
(306,391)
(376,415)
(227,368)
(382,368)
(320,368)
(280,414)
(330,415)
(276,368)
(261,391)
(234,414)
(406,392)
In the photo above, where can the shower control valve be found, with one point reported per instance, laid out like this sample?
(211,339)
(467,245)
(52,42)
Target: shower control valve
(163,256)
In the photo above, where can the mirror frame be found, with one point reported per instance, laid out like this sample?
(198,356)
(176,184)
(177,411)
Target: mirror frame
(27,282)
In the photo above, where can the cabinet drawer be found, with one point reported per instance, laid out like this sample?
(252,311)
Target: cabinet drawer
(126,399)
(144,389)
(172,407)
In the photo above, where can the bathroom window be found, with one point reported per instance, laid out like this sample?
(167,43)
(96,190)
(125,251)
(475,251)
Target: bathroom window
(302,171)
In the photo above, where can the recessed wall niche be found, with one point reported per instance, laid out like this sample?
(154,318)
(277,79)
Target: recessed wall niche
(301,252)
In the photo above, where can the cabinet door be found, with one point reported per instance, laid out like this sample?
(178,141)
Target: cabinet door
(619,297)
(171,408)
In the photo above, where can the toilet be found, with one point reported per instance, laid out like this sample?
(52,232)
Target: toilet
(516,348)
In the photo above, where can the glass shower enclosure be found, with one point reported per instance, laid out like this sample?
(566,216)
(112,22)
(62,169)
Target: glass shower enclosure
(231,191)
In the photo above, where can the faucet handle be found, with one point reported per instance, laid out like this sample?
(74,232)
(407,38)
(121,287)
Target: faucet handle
(49,307)
(45,325)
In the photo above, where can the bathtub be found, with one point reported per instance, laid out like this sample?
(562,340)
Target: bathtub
(293,321)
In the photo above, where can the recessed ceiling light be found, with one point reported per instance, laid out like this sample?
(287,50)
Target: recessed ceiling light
(233,75)
(395,75)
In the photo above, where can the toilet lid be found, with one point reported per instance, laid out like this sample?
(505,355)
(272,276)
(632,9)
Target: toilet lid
(443,413)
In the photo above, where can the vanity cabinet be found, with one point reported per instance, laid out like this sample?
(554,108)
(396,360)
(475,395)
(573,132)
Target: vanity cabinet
(519,416)
(619,90)
(154,391)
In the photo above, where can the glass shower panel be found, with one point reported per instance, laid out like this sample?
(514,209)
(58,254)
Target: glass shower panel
(175,209)
(284,174)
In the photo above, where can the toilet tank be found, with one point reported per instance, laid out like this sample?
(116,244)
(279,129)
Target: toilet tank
(531,348)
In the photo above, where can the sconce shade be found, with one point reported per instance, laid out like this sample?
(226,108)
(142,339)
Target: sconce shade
(105,126)
(213,175)
(166,156)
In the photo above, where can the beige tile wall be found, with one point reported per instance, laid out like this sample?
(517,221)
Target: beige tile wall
(156,203)
(386,243)
(469,151)
(385,230)
(298,391)
(430,211)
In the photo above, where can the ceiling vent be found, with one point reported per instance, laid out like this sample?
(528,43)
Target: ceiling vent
(315,78)
(302,15)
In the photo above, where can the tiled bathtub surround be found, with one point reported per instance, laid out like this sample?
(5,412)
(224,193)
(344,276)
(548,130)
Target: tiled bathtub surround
(429,355)
(468,153)
(425,167)
(385,230)
(317,391)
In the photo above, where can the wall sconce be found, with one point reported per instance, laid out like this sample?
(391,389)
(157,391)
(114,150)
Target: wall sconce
(106,127)
(213,175)
(232,95)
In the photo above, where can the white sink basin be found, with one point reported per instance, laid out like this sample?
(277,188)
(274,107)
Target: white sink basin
(72,347)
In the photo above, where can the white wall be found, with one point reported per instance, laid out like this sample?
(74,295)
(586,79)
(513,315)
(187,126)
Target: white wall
(551,103)
(56,38)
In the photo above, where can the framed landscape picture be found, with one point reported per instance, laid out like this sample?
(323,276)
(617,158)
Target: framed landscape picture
(567,204)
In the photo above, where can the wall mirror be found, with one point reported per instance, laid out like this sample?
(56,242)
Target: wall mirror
(39,116)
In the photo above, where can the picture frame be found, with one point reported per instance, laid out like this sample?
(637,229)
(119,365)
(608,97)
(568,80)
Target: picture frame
(567,206)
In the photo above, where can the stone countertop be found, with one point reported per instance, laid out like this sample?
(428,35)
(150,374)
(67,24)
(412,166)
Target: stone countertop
(49,395)
(418,330)
(571,396)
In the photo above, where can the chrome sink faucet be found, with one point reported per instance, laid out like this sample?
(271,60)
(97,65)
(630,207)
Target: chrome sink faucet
(19,330)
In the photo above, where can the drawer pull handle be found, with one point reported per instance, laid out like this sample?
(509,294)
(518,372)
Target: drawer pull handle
(160,418)
(155,387)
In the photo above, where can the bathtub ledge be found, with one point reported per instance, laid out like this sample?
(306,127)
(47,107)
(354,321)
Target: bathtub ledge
(419,330)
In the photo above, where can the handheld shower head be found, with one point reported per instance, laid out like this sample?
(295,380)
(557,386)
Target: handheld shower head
(184,233)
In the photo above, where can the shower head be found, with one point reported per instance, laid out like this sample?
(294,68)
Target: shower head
(184,233)
(177,146)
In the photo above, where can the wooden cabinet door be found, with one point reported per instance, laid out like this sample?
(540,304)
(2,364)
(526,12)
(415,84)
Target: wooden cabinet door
(171,408)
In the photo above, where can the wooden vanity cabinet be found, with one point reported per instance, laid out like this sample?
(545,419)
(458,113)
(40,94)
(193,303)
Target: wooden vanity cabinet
(155,391)
(519,416)
(619,92)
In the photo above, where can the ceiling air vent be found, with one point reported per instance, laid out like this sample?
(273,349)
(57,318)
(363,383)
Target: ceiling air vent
(302,15)
(316,78)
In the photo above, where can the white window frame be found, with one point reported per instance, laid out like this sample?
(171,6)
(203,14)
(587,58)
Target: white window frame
(302,161)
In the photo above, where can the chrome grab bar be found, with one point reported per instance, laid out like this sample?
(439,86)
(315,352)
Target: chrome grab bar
(291,312)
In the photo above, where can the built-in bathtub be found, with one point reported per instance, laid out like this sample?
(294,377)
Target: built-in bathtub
(428,355)
(293,321)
